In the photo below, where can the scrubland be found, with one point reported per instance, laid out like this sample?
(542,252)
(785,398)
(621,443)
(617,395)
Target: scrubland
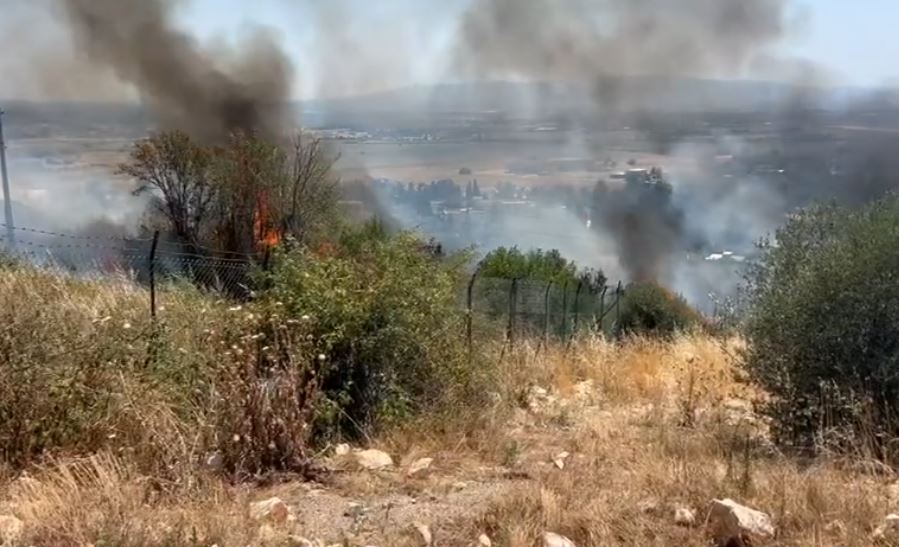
(120,431)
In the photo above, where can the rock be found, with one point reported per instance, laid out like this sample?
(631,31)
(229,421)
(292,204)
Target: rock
(272,510)
(484,541)
(11,529)
(342,449)
(732,523)
(584,392)
(355,510)
(836,527)
(424,531)
(300,541)
(555,540)
(459,486)
(215,460)
(559,459)
(420,467)
(684,516)
(539,400)
(374,459)
(888,531)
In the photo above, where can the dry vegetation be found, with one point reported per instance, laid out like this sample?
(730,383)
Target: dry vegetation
(649,426)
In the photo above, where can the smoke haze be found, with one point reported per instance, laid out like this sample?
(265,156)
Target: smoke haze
(206,93)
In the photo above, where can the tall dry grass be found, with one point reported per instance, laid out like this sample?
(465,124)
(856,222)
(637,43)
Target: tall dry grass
(113,417)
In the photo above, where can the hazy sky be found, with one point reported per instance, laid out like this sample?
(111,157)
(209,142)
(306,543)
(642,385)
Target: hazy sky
(856,39)
(400,42)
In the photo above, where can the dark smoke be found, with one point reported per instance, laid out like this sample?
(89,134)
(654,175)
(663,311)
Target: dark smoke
(627,55)
(595,43)
(186,86)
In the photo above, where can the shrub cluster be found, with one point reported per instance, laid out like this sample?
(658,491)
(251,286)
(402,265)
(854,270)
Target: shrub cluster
(650,309)
(823,326)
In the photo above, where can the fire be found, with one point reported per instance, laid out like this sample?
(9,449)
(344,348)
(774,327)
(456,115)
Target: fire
(266,235)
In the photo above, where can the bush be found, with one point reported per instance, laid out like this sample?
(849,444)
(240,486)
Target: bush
(823,325)
(385,329)
(649,308)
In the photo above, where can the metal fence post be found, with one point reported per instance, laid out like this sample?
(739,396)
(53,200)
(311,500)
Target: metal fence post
(618,305)
(546,313)
(602,308)
(470,314)
(513,301)
(152,268)
(577,298)
(564,310)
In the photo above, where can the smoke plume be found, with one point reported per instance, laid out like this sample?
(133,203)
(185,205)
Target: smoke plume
(596,42)
(626,55)
(187,86)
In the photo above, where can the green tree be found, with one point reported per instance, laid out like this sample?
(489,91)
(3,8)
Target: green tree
(823,326)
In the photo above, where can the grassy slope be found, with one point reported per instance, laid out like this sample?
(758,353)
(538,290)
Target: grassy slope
(649,425)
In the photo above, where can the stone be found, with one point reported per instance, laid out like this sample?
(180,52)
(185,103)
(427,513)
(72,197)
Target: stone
(300,541)
(888,531)
(342,449)
(484,541)
(551,539)
(374,459)
(684,516)
(732,523)
(215,461)
(424,532)
(11,529)
(272,510)
(420,467)
(559,459)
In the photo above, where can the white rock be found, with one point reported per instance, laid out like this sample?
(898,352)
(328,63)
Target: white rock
(272,510)
(420,467)
(215,460)
(684,516)
(728,520)
(888,531)
(342,449)
(484,541)
(559,459)
(374,459)
(11,529)
(424,531)
(555,540)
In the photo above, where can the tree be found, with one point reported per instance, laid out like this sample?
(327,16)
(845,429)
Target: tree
(175,170)
(823,327)
(241,196)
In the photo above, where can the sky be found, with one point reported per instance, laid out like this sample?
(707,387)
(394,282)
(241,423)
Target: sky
(852,40)
(395,43)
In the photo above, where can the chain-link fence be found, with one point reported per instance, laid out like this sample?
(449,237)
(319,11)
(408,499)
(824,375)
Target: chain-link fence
(149,261)
(530,308)
(495,308)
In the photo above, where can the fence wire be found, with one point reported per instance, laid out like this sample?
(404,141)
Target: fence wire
(512,309)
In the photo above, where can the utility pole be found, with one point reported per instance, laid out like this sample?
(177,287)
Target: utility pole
(7,200)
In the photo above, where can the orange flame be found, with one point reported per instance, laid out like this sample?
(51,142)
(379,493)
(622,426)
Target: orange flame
(267,236)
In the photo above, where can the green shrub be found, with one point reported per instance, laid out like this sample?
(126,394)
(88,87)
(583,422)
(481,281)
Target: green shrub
(823,325)
(385,330)
(649,308)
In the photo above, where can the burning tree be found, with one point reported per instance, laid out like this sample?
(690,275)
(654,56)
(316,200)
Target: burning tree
(242,196)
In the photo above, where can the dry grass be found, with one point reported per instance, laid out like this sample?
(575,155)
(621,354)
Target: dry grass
(649,425)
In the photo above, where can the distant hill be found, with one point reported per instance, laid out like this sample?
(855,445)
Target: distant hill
(626,94)
(420,104)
